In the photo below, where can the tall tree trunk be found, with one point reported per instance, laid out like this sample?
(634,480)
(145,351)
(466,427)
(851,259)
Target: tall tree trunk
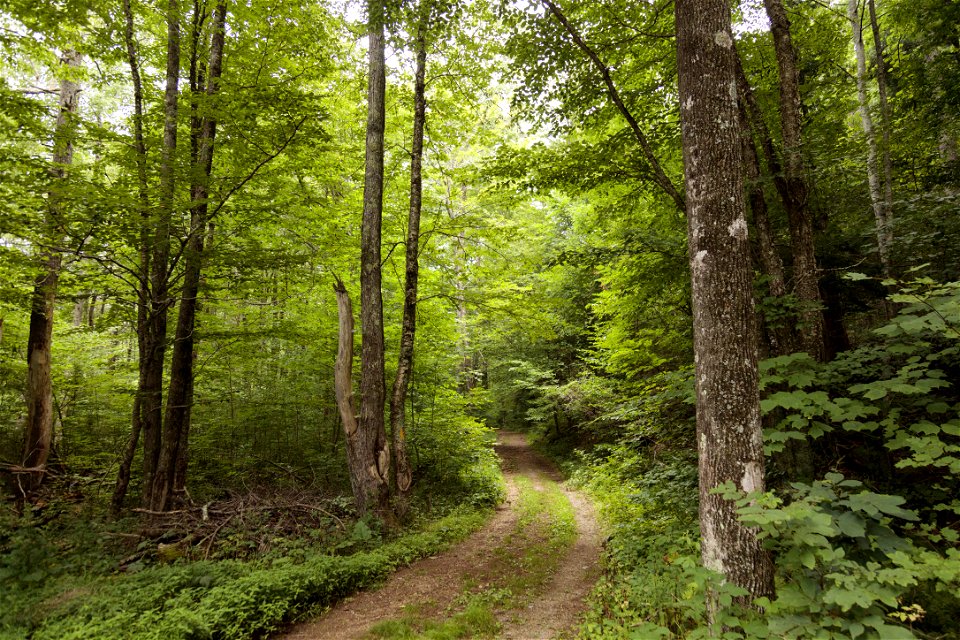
(398,398)
(152,393)
(885,122)
(143,285)
(729,436)
(180,392)
(805,273)
(372,432)
(38,429)
(866,120)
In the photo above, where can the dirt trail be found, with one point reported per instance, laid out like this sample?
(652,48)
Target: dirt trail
(433,583)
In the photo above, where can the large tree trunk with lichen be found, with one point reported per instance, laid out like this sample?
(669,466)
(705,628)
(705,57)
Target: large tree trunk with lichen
(398,399)
(796,194)
(372,430)
(38,428)
(730,447)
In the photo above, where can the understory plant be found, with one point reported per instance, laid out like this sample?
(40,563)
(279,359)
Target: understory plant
(868,548)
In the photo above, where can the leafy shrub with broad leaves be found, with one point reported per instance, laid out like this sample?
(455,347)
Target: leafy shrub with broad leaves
(869,552)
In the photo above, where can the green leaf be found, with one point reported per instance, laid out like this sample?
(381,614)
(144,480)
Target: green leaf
(851,525)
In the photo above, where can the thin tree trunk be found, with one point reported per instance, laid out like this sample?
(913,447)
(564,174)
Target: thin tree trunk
(38,429)
(885,122)
(866,120)
(659,175)
(143,286)
(154,496)
(728,402)
(779,336)
(180,392)
(183,452)
(372,431)
(398,398)
(805,272)
(126,461)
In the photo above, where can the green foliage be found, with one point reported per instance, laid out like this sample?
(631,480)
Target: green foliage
(232,599)
(897,388)
(845,567)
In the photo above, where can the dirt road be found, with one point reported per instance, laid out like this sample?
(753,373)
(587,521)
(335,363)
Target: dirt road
(433,584)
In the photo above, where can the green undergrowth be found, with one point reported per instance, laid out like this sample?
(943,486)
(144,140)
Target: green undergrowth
(228,598)
(476,620)
(867,546)
(524,563)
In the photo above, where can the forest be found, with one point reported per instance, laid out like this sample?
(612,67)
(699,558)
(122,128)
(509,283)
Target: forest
(294,295)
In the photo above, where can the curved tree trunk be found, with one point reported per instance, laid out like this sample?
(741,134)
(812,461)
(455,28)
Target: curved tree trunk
(730,447)
(38,428)
(398,398)
(143,285)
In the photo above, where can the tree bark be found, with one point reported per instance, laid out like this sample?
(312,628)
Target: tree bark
(805,272)
(728,403)
(38,428)
(398,399)
(372,431)
(180,392)
(866,120)
(152,392)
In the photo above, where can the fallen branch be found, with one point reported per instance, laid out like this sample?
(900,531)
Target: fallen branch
(213,536)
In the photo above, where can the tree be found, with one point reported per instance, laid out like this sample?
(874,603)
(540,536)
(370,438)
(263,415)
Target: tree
(795,191)
(151,388)
(171,471)
(370,476)
(729,438)
(879,203)
(398,397)
(38,428)
(143,268)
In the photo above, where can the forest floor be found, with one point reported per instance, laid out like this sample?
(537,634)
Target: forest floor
(524,576)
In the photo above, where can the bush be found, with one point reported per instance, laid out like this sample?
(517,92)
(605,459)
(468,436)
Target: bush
(234,599)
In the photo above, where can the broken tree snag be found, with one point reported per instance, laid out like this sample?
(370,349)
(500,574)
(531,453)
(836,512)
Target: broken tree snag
(368,470)
(729,438)
(38,428)
(343,369)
